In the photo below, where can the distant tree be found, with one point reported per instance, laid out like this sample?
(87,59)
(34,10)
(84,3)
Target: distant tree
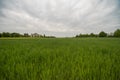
(26,35)
(44,35)
(93,35)
(111,34)
(16,35)
(49,37)
(102,34)
(84,35)
(6,34)
(0,34)
(80,35)
(77,36)
(117,33)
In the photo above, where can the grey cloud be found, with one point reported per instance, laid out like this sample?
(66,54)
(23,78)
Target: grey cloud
(59,17)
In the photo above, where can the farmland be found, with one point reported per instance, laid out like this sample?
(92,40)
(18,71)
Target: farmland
(60,59)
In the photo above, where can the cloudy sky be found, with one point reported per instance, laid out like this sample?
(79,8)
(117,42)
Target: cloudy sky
(59,17)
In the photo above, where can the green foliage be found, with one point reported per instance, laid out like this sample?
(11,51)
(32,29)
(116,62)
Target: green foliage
(102,34)
(93,35)
(117,33)
(60,59)
(5,34)
(0,34)
(26,35)
(15,35)
(87,35)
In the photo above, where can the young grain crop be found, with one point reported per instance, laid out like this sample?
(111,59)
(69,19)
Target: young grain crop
(60,59)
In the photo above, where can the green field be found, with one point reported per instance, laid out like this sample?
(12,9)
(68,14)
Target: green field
(60,59)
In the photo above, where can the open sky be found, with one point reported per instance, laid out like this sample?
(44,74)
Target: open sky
(59,17)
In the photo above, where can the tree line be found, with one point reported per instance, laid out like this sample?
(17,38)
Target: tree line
(101,34)
(8,34)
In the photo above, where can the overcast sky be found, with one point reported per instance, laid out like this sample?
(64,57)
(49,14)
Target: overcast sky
(59,17)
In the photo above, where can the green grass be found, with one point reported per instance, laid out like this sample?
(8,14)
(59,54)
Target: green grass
(60,59)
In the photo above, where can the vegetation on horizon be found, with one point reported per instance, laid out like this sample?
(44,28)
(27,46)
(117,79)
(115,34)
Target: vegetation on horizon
(101,34)
(7,34)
